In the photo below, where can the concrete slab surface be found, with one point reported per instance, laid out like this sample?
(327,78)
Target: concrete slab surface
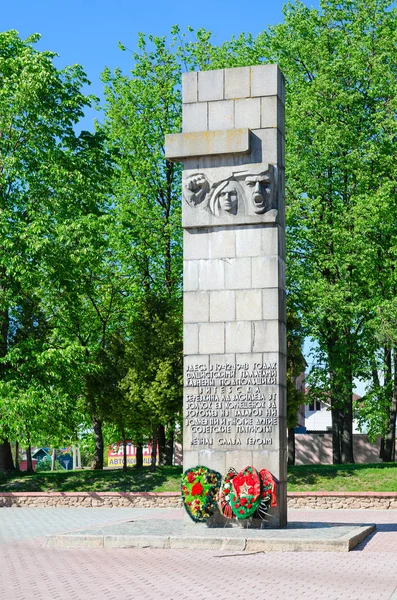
(310,536)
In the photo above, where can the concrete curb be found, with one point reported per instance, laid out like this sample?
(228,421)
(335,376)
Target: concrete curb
(343,500)
(314,500)
(343,494)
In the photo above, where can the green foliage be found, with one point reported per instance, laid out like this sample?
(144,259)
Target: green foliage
(341,91)
(141,108)
(50,183)
(296,365)
(44,464)
(87,443)
(340,68)
(91,251)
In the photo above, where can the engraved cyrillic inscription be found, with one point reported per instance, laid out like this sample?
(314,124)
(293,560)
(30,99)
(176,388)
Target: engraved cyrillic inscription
(232,404)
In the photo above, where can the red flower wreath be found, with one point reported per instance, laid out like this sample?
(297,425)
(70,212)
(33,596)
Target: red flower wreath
(245,495)
(200,487)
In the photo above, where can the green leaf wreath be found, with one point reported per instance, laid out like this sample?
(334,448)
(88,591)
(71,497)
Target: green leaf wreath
(200,487)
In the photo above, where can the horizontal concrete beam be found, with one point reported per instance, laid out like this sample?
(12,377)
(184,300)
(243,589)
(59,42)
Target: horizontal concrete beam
(207,143)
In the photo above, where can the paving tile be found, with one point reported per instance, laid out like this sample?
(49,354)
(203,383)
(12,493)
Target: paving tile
(29,570)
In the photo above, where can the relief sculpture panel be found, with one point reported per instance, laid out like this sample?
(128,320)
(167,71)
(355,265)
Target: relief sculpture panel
(234,195)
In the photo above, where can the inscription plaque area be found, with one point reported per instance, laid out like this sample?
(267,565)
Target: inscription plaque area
(234,284)
(231,405)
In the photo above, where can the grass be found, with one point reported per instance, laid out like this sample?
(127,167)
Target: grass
(380,477)
(165,479)
(307,478)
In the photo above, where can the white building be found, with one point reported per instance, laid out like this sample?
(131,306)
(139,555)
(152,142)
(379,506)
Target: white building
(318,416)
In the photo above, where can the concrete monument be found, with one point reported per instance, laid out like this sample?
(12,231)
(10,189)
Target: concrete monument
(232,149)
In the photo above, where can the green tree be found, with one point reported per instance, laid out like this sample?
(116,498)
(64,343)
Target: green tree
(48,179)
(339,63)
(340,67)
(341,90)
(296,365)
(140,109)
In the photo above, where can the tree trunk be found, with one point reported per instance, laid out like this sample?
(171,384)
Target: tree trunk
(17,456)
(336,427)
(382,449)
(97,462)
(139,455)
(375,379)
(154,450)
(53,458)
(347,431)
(169,448)
(291,445)
(124,453)
(390,437)
(6,462)
(335,399)
(4,325)
(347,454)
(161,442)
(29,463)
(78,458)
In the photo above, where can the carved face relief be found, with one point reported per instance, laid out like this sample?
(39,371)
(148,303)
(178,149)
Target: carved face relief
(246,193)
(226,199)
(195,189)
(261,191)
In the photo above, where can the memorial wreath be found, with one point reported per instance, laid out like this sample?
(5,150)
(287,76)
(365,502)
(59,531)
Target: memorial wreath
(200,487)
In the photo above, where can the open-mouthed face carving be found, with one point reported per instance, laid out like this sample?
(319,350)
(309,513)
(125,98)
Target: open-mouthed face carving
(261,186)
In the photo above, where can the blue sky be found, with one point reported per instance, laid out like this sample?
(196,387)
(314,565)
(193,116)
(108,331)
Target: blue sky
(87,31)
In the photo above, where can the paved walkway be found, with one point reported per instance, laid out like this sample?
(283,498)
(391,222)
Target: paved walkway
(30,571)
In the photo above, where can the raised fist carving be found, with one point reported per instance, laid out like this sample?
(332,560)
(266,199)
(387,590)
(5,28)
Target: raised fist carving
(195,189)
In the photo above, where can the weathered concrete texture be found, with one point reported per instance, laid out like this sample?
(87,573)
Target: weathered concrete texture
(221,116)
(195,119)
(298,537)
(204,208)
(232,148)
(240,82)
(189,87)
(206,143)
(211,85)
(224,242)
(237,82)
(213,102)
(247,113)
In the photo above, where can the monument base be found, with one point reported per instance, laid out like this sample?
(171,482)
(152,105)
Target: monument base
(171,534)
(218,521)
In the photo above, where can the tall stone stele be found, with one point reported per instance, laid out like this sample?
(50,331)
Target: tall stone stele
(232,150)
